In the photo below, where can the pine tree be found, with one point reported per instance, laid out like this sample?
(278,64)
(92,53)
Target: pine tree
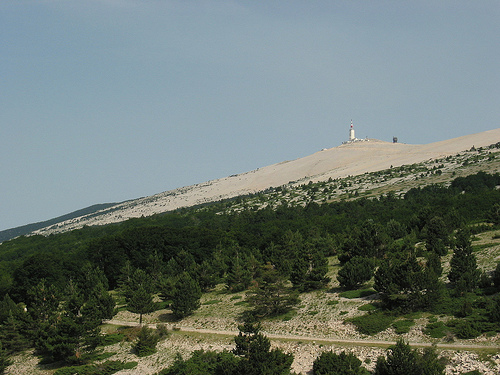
(138,278)
(254,347)
(146,342)
(403,360)
(4,359)
(356,271)
(186,298)
(271,297)
(238,277)
(404,283)
(43,302)
(463,272)
(436,235)
(309,269)
(7,307)
(10,336)
(141,302)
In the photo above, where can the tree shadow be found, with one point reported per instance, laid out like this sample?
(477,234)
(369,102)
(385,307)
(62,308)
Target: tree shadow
(168,318)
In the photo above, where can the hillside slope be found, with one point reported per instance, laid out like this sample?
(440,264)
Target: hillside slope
(25,229)
(347,159)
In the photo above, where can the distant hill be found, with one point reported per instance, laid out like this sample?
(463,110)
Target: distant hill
(350,159)
(26,229)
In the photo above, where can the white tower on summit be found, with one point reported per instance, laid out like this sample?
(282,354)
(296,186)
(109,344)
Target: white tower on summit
(351,134)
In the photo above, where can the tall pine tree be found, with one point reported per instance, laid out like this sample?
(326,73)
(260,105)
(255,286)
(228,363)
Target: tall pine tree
(186,298)
(141,302)
(464,273)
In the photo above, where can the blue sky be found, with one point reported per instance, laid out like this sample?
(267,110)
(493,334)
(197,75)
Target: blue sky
(108,100)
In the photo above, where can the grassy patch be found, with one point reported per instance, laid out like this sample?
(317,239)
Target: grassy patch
(241,303)
(129,333)
(235,297)
(288,316)
(332,302)
(413,315)
(367,307)
(101,356)
(106,368)
(371,324)
(112,338)
(403,326)
(359,293)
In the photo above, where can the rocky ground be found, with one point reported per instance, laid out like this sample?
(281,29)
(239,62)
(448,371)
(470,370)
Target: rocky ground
(317,326)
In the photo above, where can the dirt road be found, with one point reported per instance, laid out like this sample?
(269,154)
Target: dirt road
(353,342)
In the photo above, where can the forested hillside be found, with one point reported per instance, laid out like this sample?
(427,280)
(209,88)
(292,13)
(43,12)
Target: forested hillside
(394,242)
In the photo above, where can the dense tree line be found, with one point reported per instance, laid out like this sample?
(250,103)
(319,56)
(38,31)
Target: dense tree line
(285,236)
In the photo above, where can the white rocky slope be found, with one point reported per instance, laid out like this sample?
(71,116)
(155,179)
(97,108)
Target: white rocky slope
(348,159)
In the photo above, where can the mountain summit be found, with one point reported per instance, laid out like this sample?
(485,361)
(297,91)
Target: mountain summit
(348,159)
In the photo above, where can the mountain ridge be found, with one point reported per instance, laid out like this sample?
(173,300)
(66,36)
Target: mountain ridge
(348,159)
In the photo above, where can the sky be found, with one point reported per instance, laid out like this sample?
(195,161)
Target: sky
(110,100)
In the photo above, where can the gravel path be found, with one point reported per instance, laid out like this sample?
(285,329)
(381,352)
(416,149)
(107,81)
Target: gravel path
(364,342)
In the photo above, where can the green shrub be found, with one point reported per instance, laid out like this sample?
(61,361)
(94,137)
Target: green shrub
(367,307)
(146,342)
(403,326)
(112,338)
(436,330)
(106,368)
(466,329)
(432,319)
(162,330)
(371,324)
(343,363)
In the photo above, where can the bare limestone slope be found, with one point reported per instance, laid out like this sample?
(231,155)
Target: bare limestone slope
(349,159)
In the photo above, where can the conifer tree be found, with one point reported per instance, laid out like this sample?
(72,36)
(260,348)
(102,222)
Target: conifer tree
(496,276)
(403,360)
(4,359)
(7,307)
(238,277)
(356,271)
(258,358)
(10,336)
(186,297)
(146,342)
(141,302)
(43,302)
(271,296)
(463,272)
(436,235)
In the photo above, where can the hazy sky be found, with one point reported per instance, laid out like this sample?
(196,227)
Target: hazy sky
(109,100)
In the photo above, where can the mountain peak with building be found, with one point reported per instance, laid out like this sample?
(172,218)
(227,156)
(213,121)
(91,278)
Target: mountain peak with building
(351,158)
